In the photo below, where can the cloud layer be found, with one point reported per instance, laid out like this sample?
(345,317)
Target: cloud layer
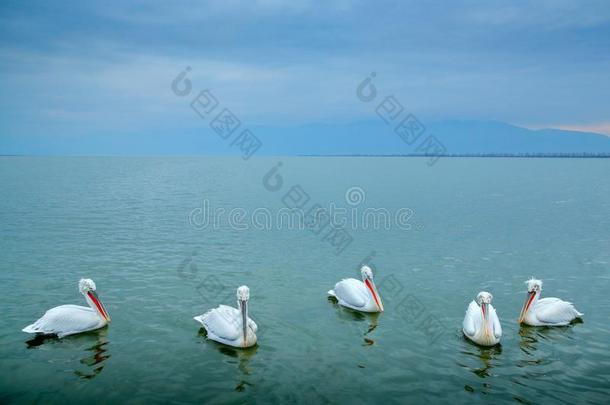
(75,69)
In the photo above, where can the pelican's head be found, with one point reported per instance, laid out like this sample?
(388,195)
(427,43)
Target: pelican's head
(367,278)
(243,295)
(366,272)
(86,286)
(484,298)
(534,287)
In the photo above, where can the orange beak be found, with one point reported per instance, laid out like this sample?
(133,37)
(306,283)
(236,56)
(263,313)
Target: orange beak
(244,321)
(526,305)
(371,286)
(98,304)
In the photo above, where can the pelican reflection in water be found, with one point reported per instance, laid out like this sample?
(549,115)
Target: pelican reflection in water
(349,314)
(93,344)
(487,355)
(534,338)
(241,355)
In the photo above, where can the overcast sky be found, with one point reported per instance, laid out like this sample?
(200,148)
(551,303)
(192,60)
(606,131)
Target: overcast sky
(74,68)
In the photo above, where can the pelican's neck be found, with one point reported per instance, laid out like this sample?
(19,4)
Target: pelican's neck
(368,290)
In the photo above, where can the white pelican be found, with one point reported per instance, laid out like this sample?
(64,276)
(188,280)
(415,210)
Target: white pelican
(229,325)
(67,320)
(538,311)
(359,295)
(481,323)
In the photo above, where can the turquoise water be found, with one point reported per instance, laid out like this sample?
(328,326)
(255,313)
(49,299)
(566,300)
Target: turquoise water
(135,226)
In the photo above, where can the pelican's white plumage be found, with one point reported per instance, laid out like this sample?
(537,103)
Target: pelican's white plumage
(481,323)
(545,311)
(231,326)
(358,295)
(67,320)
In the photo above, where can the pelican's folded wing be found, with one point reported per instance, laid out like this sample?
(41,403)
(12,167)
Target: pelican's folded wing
(469,326)
(66,320)
(556,312)
(222,322)
(497,328)
(252,325)
(352,292)
(548,301)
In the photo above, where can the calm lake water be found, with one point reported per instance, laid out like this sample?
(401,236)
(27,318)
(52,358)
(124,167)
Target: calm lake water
(466,225)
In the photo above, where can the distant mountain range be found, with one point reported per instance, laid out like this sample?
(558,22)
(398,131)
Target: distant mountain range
(364,138)
(457,137)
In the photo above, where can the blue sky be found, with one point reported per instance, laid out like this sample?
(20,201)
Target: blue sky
(80,70)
